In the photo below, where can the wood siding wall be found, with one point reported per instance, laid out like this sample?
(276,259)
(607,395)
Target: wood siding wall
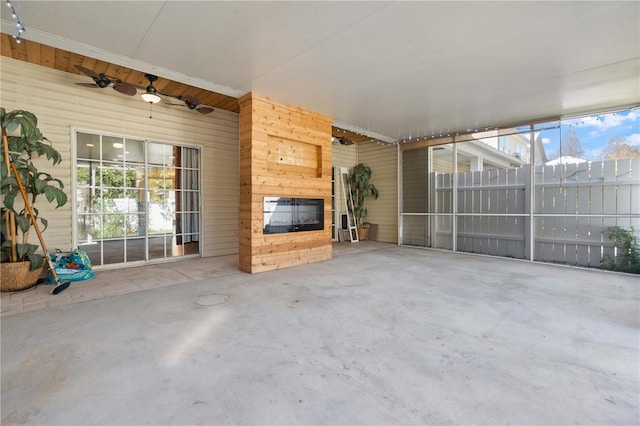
(62,106)
(383,160)
(285,151)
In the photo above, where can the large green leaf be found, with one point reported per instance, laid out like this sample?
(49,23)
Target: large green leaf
(11,126)
(9,197)
(61,198)
(50,192)
(50,152)
(9,181)
(39,185)
(59,182)
(26,120)
(37,261)
(24,223)
(44,222)
(25,250)
(44,176)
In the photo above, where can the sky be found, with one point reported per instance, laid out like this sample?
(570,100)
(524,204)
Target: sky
(594,132)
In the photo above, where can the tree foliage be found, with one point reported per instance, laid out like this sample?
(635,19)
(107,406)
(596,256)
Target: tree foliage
(570,145)
(628,251)
(618,149)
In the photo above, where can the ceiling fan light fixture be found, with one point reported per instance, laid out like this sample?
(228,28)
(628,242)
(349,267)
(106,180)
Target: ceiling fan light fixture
(150,97)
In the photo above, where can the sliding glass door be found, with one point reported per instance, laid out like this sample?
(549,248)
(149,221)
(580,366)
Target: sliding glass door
(136,200)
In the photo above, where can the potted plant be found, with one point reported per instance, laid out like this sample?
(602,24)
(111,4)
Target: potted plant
(361,189)
(24,145)
(628,251)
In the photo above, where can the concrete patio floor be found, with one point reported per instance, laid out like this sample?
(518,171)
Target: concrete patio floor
(381,334)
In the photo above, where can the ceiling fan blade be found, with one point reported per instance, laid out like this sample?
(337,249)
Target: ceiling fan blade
(191,99)
(125,89)
(175,104)
(88,72)
(204,110)
(91,85)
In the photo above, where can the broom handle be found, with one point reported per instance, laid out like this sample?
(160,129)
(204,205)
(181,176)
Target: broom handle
(33,221)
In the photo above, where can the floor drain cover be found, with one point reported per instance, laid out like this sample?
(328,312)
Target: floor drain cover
(211,299)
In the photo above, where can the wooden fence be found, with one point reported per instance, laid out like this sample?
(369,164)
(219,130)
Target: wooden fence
(574,205)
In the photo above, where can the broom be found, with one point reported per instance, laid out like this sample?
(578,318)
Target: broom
(59,286)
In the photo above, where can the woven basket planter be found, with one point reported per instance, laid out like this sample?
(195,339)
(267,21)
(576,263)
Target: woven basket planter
(16,276)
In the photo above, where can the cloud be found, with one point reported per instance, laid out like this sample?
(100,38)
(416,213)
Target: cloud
(546,141)
(592,154)
(634,139)
(605,121)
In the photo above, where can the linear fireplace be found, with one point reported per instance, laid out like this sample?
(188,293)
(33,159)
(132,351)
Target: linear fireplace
(283,214)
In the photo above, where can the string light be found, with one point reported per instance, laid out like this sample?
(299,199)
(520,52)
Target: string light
(567,122)
(20,27)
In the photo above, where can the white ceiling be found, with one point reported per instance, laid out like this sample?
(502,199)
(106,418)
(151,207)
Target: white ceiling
(394,69)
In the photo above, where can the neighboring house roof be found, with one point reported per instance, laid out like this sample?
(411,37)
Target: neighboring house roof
(566,159)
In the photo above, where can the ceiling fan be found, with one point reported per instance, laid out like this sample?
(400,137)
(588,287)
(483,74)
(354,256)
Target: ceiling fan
(101,80)
(342,140)
(150,94)
(193,103)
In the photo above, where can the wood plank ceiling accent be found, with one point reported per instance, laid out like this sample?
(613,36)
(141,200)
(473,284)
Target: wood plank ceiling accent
(352,136)
(62,60)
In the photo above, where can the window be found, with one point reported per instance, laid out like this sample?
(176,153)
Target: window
(135,200)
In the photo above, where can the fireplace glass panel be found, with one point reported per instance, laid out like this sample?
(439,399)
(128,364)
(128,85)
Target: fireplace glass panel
(282,214)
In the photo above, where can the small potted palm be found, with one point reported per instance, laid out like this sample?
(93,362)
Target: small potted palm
(23,149)
(361,189)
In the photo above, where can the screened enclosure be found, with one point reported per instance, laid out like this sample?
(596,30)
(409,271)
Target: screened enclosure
(550,191)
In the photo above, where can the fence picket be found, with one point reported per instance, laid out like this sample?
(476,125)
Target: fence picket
(571,175)
(624,187)
(492,229)
(634,191)
(476,178)
(583,171)
(582,234)
(539,190)
(571,248)
(596,178)
(549,192)
(609,191)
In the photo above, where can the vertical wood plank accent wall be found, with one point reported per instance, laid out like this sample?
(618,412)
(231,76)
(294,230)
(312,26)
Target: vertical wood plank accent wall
(285,151)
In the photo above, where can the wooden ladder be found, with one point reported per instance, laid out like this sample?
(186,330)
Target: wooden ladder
(348,202)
